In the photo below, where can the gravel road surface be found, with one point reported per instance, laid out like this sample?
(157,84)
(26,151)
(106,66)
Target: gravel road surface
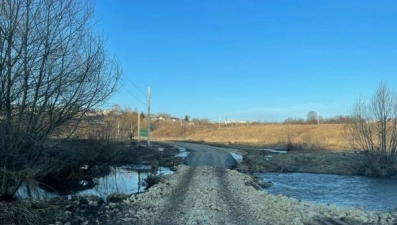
(205,155)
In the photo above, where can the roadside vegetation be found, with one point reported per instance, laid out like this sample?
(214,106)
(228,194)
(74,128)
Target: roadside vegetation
(52,68)
(374,130)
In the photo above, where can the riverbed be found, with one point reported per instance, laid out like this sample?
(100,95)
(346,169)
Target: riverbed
(375,194)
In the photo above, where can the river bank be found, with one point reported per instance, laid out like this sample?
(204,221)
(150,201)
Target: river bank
(303,161)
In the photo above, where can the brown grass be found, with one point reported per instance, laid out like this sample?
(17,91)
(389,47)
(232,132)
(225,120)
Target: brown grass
(323,136)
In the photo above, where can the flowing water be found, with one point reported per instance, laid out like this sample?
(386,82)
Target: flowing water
(377,194)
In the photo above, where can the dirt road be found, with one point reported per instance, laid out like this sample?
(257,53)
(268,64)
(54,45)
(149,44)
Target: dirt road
(205,155)
(201,193)
(204,196)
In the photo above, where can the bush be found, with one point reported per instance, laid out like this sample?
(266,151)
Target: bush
(151,180)
(290,146)
(379,165)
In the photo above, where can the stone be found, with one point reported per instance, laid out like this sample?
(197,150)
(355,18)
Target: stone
(117,197)
(112,205)
(70,207)
(127,219)
(83,201)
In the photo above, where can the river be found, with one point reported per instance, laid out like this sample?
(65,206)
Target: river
(376,194)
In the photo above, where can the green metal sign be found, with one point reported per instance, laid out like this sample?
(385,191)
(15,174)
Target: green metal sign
(143,133)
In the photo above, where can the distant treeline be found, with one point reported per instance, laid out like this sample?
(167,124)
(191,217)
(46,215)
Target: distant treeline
(331,120)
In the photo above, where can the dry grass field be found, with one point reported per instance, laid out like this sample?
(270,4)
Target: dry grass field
(323,136)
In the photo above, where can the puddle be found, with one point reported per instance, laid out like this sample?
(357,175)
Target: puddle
(377,194)
(182,152)
(123,179)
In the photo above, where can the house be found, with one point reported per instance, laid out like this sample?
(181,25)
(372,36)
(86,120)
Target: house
(90,113)
(174,119)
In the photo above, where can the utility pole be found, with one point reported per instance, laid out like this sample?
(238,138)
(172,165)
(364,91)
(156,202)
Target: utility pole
(139,126)
(131,134)
(219,121)
(118,130)
(148,118)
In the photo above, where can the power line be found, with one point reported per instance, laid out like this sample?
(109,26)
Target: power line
(140,90)
(135,96)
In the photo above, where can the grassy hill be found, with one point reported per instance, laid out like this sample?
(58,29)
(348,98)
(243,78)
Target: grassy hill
(323,136)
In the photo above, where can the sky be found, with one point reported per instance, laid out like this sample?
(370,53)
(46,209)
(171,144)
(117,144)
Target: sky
(249,59)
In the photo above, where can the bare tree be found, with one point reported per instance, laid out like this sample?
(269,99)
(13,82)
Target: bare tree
(311,117)
(373,129)
(52,68)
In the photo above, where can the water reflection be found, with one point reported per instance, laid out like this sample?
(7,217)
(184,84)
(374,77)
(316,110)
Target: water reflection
(377,194)
(125,179)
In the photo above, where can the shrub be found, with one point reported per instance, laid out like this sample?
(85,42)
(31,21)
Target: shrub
(290,146)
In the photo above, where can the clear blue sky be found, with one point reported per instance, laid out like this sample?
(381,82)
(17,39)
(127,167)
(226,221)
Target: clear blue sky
(250,59)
